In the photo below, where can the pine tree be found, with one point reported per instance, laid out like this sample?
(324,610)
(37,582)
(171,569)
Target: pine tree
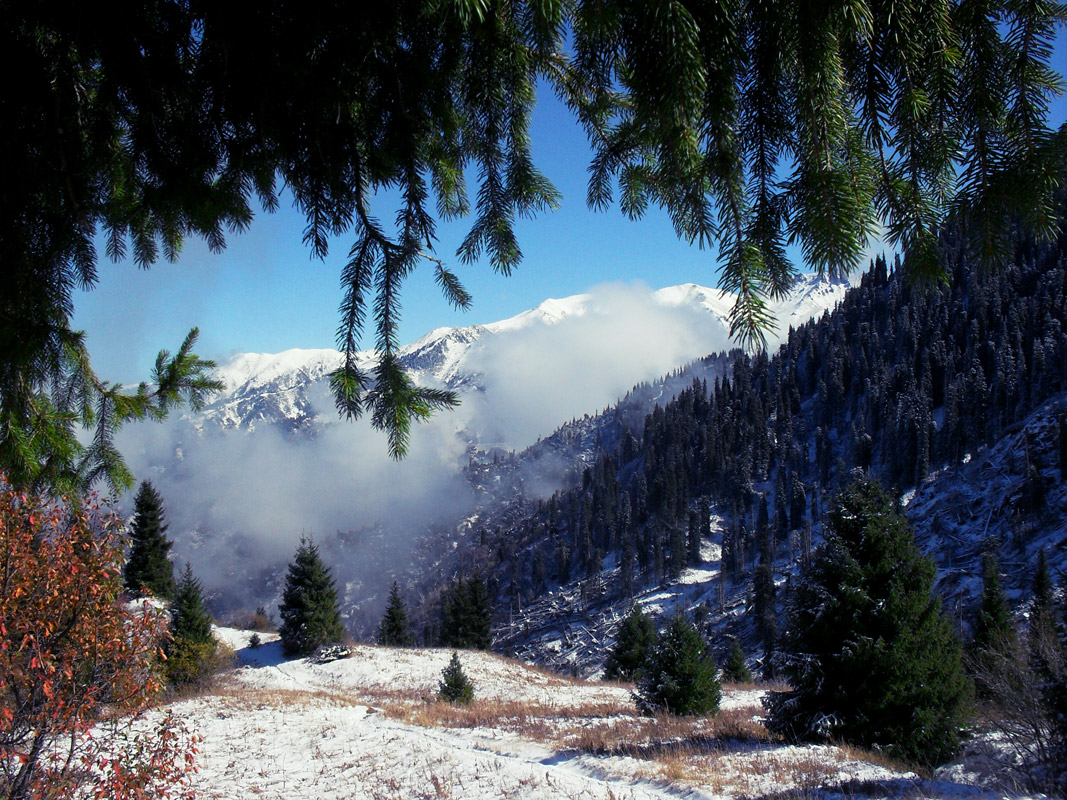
(764,596)
(467,615)
(635,638)
(309,614)
(872,659)
(148,567)
(192,647)
(393,630)
(735,670)
(679,673)
(1042,633)
(993,628)
(455,686)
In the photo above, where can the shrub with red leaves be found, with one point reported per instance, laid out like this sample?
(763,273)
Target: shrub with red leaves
(78,666)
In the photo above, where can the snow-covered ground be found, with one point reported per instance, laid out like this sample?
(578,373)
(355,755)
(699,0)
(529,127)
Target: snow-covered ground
(367,727)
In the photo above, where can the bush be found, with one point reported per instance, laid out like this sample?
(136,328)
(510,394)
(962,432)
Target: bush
(455,686)
(60,601)
(679,673)
(192,665)
(872,659)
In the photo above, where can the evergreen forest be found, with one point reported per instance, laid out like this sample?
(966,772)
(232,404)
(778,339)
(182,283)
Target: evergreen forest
(902,381)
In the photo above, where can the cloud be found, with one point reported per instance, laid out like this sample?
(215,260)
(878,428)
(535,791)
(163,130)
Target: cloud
(540,376)
(238,501)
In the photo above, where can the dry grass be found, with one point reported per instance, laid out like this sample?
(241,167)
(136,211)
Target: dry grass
(608,728)
(750,772)
(730,753)
(244,697)
(665,735)
(848,752)
(529,719)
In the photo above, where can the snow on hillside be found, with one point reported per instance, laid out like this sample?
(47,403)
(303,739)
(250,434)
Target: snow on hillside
(365,727)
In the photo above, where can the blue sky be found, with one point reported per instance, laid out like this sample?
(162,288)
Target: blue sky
(265,293)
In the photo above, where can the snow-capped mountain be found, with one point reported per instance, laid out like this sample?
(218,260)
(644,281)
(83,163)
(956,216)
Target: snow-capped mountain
(289,389)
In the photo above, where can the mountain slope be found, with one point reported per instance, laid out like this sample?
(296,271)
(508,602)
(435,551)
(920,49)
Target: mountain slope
(955,394)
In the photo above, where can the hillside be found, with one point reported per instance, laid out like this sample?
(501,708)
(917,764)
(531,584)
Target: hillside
(954,395)
(366,727)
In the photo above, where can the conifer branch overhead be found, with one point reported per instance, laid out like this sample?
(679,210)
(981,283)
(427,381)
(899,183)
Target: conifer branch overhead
(750,123)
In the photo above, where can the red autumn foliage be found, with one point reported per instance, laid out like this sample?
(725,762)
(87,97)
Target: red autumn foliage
(78,666)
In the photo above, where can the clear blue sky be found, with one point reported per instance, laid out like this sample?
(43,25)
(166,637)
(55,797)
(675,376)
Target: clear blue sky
(265,293)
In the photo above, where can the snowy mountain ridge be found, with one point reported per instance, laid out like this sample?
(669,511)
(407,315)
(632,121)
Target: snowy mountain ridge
(283,388)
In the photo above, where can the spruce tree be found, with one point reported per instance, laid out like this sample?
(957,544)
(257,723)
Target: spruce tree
(455,686)
(467,615)
(309,614)
(1042,603)
(764,601)
(679,673)
(1056,699)
(393,630)
(1046,657)
(993,628)
(735,670)
(480,621)
(872,659)
(694,531)
(192,647)
(635,638)
(148,567)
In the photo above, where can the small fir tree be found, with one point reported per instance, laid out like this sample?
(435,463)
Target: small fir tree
(993,629)
(764,601)
(1042,633)
(309,614)
(149,567)
(872,659)
(735,669)
(393,630)
(679,673)
(192,647)
(636,636)
(455,686)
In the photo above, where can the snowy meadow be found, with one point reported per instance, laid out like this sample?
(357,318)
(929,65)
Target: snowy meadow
(370,726)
